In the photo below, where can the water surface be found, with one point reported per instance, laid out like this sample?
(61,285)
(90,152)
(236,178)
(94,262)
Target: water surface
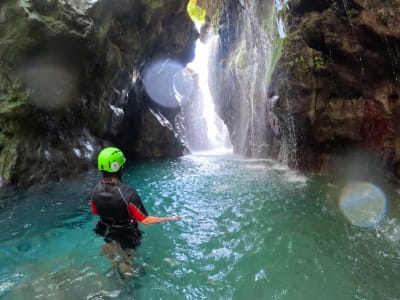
(251,229)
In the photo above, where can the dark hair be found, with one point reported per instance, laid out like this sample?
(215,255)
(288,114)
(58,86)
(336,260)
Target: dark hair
(117,174)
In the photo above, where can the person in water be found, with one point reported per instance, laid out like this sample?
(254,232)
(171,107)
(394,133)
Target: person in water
(120,209)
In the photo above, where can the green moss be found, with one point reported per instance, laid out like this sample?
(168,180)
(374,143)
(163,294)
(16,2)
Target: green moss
(351,13)
(275,57)
(291,50)
(8,160)
(319,63)
(13,100)
(297,61)
(11,104)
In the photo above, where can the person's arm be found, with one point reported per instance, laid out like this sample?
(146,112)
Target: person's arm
(145,219)
(153,220)
(94,209)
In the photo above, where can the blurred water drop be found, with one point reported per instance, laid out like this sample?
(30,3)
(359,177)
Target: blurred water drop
(363,204)
(50,86)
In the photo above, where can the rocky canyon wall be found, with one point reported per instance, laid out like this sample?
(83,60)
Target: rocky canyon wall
(323,86)
(71,82)
(338,78)
(333,92)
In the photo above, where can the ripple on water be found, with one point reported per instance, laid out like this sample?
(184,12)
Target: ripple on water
(251,229)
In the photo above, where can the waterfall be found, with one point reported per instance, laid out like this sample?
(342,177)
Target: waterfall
(251,67)
(205,130)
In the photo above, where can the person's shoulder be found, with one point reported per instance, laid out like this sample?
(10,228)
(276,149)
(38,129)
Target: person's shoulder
(94,188)
(123,185)
(127,188)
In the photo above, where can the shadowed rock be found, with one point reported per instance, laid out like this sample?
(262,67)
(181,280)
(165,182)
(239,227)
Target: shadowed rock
(71,82)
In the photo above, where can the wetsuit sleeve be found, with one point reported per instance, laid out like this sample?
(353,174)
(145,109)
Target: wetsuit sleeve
(94,209)
(136,207)
(136,213)
(92,205)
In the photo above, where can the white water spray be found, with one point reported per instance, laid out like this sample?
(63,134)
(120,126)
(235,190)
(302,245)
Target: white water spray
(217,133)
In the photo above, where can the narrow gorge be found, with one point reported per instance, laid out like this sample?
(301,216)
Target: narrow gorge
(307,83)
(265,134)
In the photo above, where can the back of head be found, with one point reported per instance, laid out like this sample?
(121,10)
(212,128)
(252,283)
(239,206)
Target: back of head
(110,160)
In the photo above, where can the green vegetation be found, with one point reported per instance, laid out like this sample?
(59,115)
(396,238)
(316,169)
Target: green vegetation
(298,61)
(196,13)
(275,57)
(351,13)
(13,99)
(8,157)
(291,49)
(319,63)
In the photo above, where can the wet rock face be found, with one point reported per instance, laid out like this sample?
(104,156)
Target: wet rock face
(338,79)
(335,88)
(41,130)
(71,82)
(241,74)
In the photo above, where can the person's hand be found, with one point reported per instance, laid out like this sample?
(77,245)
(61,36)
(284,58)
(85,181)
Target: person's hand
(154,220)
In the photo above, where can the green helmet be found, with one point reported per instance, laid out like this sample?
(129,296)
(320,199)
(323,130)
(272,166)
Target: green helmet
(110,159)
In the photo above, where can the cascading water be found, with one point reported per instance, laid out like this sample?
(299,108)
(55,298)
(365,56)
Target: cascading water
(205,128)
(247,56)
(172,86)
(248,68)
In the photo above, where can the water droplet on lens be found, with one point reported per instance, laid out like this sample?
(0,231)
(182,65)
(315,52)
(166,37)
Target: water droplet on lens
(363,204)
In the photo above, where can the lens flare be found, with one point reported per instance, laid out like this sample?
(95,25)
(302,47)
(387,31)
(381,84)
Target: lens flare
(363,204)
(167,83)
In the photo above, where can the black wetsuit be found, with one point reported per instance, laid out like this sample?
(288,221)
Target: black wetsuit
(120,208)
